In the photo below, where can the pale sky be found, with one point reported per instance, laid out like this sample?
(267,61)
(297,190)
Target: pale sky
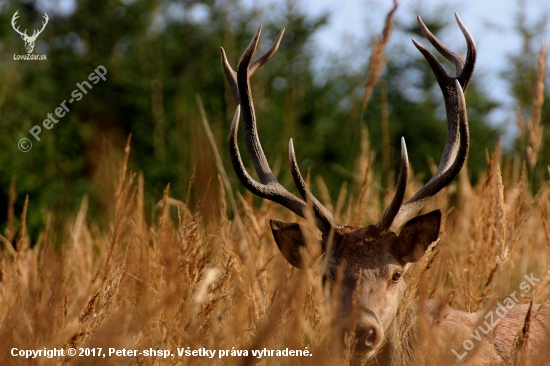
(491,23)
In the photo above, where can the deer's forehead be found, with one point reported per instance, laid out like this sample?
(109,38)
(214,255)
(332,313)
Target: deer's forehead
(365,248)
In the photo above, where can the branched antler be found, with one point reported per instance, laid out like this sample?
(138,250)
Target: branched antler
(457,143)
(268,187)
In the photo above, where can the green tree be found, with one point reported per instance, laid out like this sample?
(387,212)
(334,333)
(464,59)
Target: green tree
(416,106)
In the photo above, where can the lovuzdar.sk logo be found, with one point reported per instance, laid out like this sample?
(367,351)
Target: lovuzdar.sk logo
(29,40)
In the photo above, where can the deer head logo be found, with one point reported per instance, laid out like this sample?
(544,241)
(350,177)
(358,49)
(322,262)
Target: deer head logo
(29,40)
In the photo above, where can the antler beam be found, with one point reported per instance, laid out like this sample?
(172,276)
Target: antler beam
(269,188)
(457,142)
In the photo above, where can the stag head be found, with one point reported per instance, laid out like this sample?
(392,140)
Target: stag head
(373,258)
(29,40)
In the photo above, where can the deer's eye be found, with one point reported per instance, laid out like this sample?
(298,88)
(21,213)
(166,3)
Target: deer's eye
(396,277)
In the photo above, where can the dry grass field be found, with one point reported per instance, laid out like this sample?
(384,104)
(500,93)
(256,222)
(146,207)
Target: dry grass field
(221,284)
(186,281)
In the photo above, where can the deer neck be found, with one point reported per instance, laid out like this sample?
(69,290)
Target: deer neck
(398,348)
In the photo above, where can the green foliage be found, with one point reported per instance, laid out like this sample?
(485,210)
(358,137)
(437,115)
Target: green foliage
(159,56)
(522,74)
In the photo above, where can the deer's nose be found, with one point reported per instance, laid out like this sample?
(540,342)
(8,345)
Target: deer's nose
(366,337)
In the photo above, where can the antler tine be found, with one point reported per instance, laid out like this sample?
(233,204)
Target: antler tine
(269,187)
(433,186)
(271,192)
(466,75)
(320,211)
(464,69)
(231,75)
(391,211)
(457,60)
(268,55)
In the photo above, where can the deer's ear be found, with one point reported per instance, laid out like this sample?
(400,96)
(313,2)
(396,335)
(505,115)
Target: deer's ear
(416,236)
(289,239)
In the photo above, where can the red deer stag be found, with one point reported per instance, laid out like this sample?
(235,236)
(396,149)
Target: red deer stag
(376,256)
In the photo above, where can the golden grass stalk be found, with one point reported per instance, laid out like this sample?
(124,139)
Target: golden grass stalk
(377,60)
(181,282)
(535,126)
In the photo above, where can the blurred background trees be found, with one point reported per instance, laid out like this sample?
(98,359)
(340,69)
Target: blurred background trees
(161,55)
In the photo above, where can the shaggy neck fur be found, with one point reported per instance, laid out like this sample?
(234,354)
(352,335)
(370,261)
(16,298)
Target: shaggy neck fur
(400,340)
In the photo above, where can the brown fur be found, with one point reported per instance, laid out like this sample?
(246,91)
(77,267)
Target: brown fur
(369,257)
(452,327)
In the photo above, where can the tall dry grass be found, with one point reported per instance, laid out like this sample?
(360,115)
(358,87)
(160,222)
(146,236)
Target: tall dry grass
(183,282)
(186,281)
